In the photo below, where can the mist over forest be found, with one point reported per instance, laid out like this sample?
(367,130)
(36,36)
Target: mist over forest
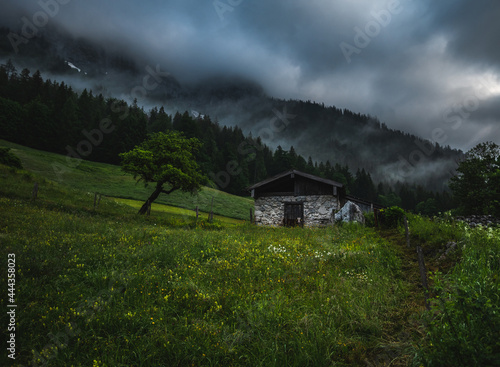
(325,133)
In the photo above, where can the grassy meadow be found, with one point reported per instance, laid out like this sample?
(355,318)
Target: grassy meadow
(110,180)
(107,287)
(110,288)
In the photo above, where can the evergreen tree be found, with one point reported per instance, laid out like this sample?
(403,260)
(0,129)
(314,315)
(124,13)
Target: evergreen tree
(391,199)
(476,187)
(38,127)
(292,158)
(364,186)
(408,199)
(301,164)
(310,166)
(280,161)
(186,125)
(11,119)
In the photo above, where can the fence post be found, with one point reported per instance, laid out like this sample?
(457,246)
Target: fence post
(423,275)
(34,193)
(95,200)
(197,213)
(251,216)
(407,232)
(99,200)
(211,215)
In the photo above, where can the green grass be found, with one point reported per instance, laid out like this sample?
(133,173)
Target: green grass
(108,287)
(173,210)
(433,235)
(111,288)
(109,180)
(463,324)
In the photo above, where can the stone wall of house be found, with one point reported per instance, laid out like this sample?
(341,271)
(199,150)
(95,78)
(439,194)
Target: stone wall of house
(318,209)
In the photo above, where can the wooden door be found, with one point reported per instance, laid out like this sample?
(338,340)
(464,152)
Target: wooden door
(294,214)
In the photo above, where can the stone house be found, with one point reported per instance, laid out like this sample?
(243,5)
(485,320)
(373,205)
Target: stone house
(296,198)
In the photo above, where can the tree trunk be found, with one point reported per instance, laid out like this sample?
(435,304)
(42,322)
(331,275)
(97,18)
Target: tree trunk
(153,197)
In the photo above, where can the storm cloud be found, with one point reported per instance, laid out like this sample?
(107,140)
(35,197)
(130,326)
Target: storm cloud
(419,66)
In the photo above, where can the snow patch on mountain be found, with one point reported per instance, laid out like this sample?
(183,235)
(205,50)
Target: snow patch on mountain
(71,65)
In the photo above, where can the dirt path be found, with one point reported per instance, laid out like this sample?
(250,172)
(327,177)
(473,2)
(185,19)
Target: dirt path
(404,328)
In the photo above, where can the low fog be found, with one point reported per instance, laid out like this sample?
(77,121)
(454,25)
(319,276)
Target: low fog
(406,62)
(426,68)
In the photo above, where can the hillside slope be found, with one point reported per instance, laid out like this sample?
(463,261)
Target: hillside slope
(326,133)
(115,288)
(109,180)
(109,287)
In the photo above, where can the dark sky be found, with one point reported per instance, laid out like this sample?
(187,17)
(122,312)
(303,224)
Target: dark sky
(427,67)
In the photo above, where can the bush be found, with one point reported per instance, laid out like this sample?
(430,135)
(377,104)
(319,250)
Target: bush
(369,219)
(462,327)
(9,159)
(391,217)
(435,233)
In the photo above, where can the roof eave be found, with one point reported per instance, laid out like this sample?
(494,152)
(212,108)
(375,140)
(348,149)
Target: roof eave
(299,173)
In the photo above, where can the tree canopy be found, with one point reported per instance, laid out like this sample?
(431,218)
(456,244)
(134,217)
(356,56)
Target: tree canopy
(165,158)
(476,187)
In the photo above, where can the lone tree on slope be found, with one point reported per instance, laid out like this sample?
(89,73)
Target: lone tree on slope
(166,159)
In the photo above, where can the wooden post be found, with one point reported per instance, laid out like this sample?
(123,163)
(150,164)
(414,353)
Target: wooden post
(197,213)
(98,201)
(251,215)
(149,209)
(407,232)
(376,218)
(95,200)
(423,275)
(34,193)
(211,215)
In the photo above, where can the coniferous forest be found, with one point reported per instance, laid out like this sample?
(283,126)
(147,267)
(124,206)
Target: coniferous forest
(51,116)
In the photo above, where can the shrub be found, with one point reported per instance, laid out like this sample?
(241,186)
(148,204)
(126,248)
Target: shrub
(369,219)
(462,327)
(435,233)
(391,217)
(9,159)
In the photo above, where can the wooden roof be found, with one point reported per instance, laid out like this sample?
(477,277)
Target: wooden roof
(292,173)
(357,200)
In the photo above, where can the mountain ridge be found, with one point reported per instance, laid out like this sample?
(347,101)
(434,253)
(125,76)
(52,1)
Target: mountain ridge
(326,133)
